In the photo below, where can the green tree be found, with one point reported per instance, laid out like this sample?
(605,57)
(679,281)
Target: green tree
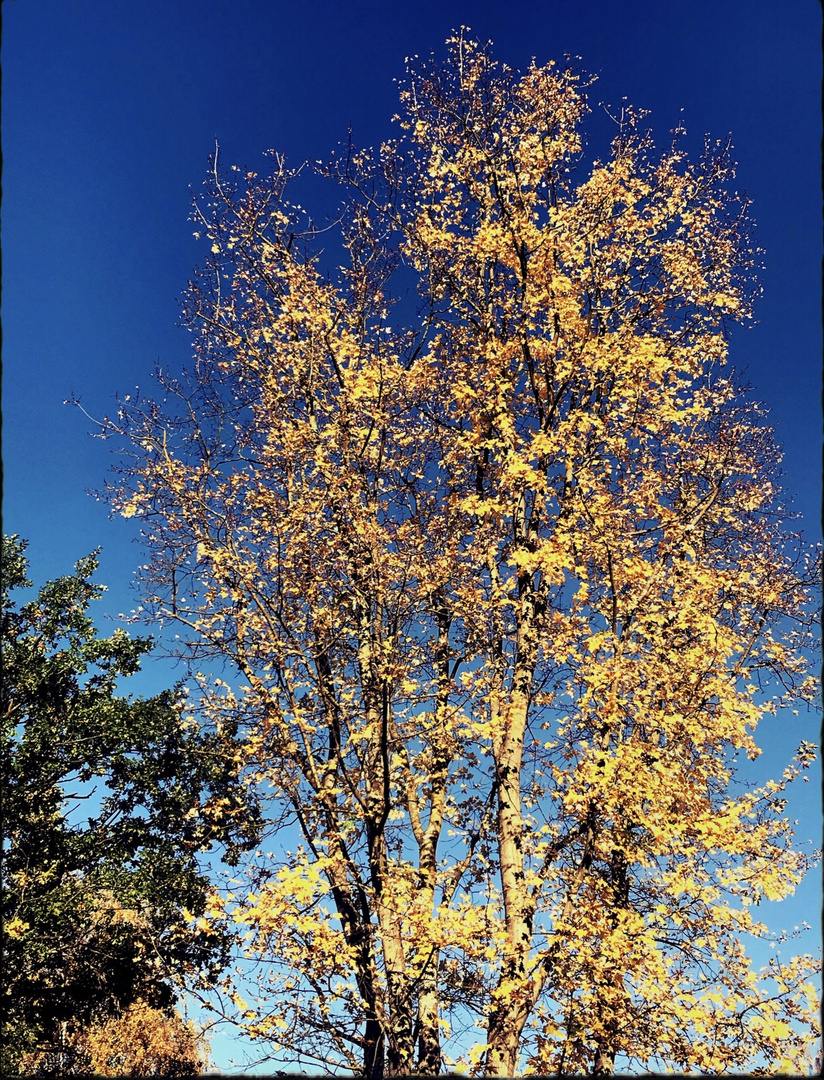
(91,909)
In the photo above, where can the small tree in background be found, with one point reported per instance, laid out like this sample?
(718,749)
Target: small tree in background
(506,589)
(142,1041)
(93,912)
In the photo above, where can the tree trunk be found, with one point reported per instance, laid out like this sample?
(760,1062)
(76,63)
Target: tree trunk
(429,1039)
(516,992)
(374,1067)
(604,1061)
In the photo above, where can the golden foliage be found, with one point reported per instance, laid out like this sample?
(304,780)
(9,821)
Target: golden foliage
(503,591)
(142,1042)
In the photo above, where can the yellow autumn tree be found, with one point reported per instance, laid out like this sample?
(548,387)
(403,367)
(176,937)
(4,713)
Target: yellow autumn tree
(143,1041)
(499,586)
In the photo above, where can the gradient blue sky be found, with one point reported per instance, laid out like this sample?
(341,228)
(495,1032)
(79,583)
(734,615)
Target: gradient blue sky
(111,109)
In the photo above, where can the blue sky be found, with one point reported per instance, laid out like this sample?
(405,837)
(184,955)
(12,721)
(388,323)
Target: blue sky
(111,110)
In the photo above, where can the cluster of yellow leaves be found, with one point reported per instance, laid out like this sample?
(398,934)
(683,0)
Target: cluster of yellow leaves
(142,1042)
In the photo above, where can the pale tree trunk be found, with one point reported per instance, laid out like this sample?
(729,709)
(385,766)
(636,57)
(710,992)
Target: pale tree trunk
(429,1040)
(516,991)
(428,1011)
(398,1019)
(427,1027)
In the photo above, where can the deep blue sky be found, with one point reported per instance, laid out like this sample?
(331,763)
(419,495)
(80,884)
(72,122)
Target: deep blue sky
(111,109)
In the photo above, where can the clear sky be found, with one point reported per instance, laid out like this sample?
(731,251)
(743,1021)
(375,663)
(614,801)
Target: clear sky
(111,109)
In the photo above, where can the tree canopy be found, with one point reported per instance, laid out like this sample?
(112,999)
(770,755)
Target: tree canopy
(501,585)
(92,909)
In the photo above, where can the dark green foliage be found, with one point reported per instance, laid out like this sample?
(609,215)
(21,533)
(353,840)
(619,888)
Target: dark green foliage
(108,805)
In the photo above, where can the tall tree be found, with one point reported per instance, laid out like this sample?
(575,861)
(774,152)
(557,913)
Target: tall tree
(503,588)
(93,911)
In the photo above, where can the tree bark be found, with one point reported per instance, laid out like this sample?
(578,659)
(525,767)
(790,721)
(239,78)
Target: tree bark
(517,991)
